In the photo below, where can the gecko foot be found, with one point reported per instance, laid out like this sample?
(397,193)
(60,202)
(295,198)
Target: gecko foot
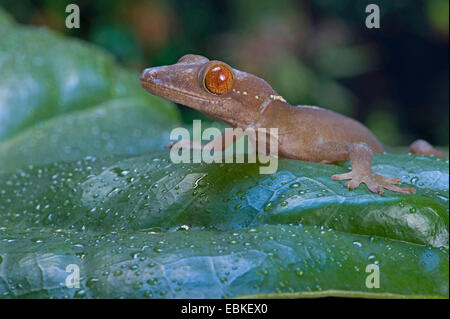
(374,182)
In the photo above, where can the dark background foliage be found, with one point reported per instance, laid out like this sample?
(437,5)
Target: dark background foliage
(394,79)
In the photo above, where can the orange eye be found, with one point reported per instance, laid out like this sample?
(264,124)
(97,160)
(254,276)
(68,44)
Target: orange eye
(218,79)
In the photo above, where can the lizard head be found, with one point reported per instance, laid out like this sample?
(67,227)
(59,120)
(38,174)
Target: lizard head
(211,87)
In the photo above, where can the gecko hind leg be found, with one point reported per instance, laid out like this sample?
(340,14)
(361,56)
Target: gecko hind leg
(360,155)
(424,148)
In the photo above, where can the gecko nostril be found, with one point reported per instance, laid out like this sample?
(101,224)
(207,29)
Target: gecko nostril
(148,74)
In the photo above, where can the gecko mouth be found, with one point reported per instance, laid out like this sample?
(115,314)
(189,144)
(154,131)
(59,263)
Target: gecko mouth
(150,81)
(167,91)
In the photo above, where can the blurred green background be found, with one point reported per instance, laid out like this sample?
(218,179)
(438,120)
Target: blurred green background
(393,79)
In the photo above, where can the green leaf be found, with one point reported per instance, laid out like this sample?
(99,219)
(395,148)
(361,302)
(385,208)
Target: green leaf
(38,83)
(223,230)
(268,260)
(71,101)
(84,180)
(120,126)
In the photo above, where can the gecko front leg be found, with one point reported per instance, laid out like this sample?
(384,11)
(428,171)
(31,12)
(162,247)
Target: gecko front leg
(360,156)
(219,143)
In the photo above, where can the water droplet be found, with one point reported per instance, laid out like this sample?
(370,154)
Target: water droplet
(80,293)
(91,282)
(152,281)
(320,195)
(357,243)
(182,228)
(299,272)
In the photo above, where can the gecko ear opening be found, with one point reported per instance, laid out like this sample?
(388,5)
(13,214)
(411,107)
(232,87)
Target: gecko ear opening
(218,79)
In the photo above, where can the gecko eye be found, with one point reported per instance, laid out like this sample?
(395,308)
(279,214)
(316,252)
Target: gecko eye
(218,79)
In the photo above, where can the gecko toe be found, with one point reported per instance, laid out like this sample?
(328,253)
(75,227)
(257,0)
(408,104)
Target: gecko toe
(372,185)
(376,188)
(374,182)
(387,183)
(399,189)
(352,184)
(387,180)
(341,177)
(394,180)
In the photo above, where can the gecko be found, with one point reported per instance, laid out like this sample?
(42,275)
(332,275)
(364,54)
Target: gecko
(243,100)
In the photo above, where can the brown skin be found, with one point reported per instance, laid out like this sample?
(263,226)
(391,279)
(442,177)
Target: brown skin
(304,132)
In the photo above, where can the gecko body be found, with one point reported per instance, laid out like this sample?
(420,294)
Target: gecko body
(244,100)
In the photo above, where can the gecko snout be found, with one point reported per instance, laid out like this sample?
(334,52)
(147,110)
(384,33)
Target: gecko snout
(149,74)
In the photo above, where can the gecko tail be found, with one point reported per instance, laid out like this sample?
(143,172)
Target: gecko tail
(424,148)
